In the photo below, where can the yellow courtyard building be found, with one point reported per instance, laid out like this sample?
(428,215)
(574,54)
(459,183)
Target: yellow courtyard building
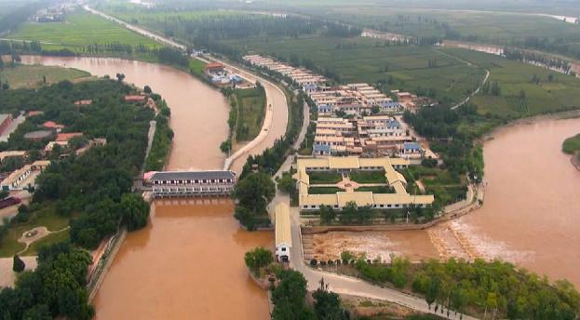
(394,180)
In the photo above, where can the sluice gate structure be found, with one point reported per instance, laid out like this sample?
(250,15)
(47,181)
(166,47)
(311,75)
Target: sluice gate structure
(175,184)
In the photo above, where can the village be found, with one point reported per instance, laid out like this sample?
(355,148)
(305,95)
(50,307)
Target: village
(359,150)
(20,168)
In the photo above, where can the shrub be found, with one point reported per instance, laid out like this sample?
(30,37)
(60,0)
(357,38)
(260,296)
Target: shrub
(18,265)
(313,262)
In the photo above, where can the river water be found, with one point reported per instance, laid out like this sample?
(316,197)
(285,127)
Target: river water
(188,263)
(531,211)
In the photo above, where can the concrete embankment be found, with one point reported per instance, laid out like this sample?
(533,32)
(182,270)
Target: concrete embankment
(98,275)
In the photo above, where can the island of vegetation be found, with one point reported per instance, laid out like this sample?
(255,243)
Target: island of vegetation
(571,146)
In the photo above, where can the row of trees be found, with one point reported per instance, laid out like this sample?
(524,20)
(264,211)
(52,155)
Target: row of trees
(493,289)
(526,56)
(163,137)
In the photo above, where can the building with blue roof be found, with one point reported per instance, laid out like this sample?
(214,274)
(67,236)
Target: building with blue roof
(321,150)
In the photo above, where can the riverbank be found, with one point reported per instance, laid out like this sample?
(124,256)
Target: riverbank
(564,115)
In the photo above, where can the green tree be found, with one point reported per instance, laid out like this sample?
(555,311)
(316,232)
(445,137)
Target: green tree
(17,264)
(327,214)
(147,89)
(349,213)
(289,297)
(287,184)
(135,211)
(258,258)
(38,312)
(433,290)
(347,256)
(255,192)
(327,304)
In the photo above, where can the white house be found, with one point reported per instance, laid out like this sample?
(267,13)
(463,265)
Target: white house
(283,235)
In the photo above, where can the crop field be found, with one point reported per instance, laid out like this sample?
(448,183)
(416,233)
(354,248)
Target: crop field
(23,76)
(487,26)
(520,95)
(364,60)
(78,31)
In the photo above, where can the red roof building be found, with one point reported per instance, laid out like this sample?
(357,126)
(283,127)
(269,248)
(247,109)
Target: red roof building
(35,113)
(52,125)
(87,102)
(214,67)
(135,98)
(62,137)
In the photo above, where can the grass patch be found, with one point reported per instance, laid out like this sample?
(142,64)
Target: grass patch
(572,145)
(52,238)
(376,189)
(324,177)
(79,30)
(368,176)
(251,112)
(22,76)
(46,217)
(324,190)
(197,66)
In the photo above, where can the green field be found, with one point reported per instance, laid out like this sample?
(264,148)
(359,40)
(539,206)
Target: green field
(46,217)
(22,76)
(520,96)
(324,190)
(377,189)
(368,177)
(572,145)
(251,110)
(365,60)
(78,31)
(324,177)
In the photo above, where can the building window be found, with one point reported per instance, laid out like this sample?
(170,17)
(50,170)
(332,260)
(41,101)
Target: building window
(284,249)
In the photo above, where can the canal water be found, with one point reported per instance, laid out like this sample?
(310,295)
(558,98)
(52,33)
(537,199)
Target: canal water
(188,263)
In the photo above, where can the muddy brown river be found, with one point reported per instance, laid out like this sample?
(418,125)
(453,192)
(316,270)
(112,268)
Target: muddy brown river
(531,212)
(188,263)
